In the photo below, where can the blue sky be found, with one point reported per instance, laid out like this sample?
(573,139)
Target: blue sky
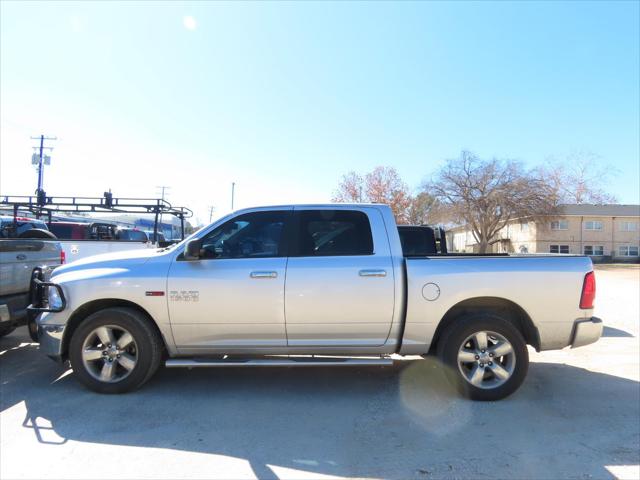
(283,98)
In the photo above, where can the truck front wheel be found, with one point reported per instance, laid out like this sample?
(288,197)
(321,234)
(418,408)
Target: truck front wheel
(115,350)
(484,356)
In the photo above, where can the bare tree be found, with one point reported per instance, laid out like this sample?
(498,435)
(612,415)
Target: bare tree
(487,194)
(423,209)
(579,179)
(382,185)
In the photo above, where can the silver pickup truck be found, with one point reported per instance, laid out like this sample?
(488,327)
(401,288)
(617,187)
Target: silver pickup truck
(312,285)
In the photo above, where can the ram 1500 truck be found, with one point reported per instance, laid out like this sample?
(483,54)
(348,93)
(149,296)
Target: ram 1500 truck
(310,285)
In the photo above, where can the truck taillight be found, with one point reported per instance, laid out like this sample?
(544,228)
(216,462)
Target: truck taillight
(588,291)
(63,257)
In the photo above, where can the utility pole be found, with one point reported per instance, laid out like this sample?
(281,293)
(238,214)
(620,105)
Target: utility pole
(162,189)
(211,209)
(233,191)
(41,160)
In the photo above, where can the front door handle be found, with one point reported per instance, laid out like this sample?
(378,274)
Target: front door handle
(21,256)
(264,274)
(372,273)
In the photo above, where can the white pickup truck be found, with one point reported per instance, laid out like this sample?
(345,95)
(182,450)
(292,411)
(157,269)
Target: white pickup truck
(81,240)
(312,285)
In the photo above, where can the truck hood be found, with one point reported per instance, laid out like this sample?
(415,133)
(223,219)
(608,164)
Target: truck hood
(126,259)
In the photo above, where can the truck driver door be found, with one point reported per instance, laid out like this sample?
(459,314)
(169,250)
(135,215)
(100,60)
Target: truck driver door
(233,296)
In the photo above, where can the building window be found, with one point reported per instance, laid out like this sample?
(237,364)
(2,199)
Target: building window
(560,225)
(594,250)
(628,226)
(628,251)
(593,225)
(524,227)
(558,248)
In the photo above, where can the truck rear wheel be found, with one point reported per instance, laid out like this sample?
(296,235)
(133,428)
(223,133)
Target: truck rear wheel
(115,350)
(485,356)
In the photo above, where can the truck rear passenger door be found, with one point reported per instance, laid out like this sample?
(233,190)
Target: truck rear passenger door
(339,289)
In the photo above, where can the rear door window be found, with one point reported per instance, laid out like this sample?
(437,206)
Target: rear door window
(332,233)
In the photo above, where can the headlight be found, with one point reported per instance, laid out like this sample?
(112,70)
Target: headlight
(54,300)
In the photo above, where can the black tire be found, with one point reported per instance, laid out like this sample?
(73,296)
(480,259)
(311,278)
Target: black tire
(148,349)
(32,328)
(6,330)
(458,332)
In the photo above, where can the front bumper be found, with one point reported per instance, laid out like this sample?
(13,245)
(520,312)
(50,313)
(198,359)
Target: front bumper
(50,337)
(586,332)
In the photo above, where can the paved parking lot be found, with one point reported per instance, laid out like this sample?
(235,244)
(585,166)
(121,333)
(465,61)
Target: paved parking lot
(577,416)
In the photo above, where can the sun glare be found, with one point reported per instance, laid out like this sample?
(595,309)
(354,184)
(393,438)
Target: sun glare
(189,22)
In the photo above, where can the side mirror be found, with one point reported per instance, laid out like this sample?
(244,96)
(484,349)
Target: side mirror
(192,249)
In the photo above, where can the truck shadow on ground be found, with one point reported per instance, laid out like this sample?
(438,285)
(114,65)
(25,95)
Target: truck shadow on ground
(387,422)
(615,332)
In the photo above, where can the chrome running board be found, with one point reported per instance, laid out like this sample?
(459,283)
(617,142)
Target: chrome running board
(301,361)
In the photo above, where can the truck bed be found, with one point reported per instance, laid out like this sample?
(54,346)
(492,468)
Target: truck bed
(546,287)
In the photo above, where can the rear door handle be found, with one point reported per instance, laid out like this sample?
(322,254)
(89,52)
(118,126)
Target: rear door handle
(372,273)
(264,274)
(21,256)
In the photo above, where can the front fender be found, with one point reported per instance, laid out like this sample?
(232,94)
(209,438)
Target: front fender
(89,289)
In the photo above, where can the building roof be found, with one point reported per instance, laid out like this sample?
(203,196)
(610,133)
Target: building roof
(607,210)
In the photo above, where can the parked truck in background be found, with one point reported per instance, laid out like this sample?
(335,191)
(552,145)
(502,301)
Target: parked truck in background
(22,227)
(422,240)
(310,285)
(19,258)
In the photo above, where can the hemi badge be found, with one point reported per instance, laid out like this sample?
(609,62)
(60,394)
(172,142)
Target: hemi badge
(154,294)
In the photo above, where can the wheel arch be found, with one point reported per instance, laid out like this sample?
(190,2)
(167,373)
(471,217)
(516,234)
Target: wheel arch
(82,312)
(507,309)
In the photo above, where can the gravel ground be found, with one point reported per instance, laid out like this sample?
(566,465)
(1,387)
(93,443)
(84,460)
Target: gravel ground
(576,416)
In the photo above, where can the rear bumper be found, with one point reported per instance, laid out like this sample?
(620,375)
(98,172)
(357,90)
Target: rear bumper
(13,309)
(586,332)
(50,338)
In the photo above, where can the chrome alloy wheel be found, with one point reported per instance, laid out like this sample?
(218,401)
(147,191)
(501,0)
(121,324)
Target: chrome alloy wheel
(109,353)
(486,359)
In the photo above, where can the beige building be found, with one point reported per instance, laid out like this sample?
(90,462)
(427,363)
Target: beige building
(604,232)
